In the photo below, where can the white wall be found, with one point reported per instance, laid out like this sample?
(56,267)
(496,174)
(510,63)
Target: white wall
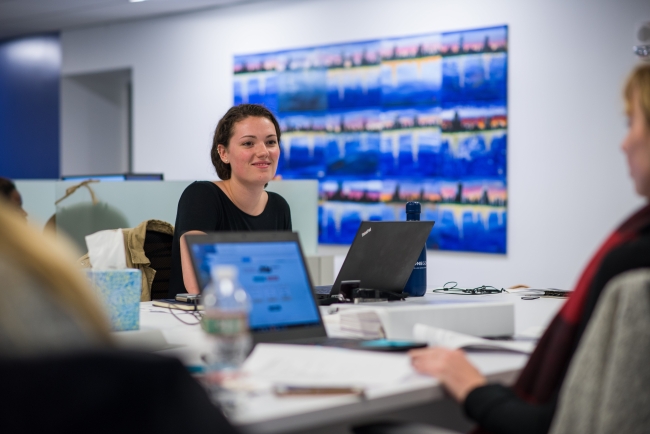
(568,185)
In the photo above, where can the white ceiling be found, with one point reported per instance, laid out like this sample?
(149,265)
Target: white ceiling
(21,17)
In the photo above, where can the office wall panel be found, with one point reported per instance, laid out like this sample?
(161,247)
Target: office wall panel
(95,111)
(29,107)
(567,181)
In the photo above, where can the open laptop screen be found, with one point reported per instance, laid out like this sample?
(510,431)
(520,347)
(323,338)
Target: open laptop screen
(272,273)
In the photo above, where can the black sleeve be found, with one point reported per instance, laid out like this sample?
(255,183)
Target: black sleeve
(287,214)
(281,213)
(198,209)
(497,409)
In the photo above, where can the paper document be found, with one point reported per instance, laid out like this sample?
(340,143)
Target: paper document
(437,337)
(106,250)
(304,365)
(362,323)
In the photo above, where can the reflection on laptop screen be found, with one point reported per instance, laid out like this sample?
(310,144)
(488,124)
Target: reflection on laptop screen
(274,276)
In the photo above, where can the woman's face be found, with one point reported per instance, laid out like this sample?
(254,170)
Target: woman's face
(636,147)
(253,151)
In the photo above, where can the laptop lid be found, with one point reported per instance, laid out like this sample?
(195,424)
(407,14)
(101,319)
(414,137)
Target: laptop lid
(383,254)
(272,270)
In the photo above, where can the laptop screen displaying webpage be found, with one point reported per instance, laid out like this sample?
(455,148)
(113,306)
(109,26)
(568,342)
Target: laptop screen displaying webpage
(272,273)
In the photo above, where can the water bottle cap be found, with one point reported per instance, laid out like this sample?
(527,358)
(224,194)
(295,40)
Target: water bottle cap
(412,207)
(224,271)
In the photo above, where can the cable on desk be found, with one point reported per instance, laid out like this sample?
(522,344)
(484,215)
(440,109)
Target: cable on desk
(194,313)
(452,288)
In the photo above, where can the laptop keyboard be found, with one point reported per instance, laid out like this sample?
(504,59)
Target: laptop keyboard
(323,290)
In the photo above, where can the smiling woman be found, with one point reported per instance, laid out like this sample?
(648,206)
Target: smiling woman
(245,153)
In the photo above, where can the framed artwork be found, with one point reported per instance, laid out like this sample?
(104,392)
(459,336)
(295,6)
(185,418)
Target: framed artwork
(383,122)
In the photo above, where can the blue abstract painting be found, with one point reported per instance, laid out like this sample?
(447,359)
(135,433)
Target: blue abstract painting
(383,122)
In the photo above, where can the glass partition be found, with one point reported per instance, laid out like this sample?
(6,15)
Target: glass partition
(302,197)
(126,204)
(38,200)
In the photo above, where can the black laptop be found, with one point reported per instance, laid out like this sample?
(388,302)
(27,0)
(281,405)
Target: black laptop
(382,256)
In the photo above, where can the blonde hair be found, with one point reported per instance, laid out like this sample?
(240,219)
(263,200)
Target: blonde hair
(638,83)
(51,262)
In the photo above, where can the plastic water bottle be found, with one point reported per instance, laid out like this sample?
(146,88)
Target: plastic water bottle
(225,320)
(416,286)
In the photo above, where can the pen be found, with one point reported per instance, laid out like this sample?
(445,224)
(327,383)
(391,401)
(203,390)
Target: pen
(284,390)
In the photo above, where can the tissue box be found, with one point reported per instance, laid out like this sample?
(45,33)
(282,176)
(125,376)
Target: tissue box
(119,290)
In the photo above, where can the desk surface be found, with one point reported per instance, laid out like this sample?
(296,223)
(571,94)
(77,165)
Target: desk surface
(266,413)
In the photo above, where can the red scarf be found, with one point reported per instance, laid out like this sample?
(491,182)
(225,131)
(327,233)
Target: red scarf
(546,367)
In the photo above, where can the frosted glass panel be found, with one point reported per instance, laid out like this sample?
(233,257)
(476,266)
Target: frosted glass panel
(126,204)
(120,204)
(302,197)
(38,200)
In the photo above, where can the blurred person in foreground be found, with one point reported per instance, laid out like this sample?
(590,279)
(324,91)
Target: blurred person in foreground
(44,303)
(529,406)
(58,367)
(9,192)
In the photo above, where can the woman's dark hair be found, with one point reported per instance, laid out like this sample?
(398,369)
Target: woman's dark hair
(226,128)
(6,187)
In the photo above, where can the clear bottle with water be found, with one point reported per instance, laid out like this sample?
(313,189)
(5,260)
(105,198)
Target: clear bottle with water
(225,320)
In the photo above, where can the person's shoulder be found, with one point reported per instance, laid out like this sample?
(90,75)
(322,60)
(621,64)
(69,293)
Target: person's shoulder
(278,200)
(634,250)
(200,188)
(628,256)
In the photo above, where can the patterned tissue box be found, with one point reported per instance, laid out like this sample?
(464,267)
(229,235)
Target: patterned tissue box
(119,290)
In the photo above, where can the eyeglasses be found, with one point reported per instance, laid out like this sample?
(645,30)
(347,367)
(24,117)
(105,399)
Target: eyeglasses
(452,288)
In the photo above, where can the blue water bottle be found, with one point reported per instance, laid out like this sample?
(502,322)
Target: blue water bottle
(417,283)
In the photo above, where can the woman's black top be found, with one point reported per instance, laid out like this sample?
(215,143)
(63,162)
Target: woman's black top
(205,207)
(497,409)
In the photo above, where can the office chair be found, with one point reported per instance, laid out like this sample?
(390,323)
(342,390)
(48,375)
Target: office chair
(149,249)
(158,248)
(85,218)
(607,386)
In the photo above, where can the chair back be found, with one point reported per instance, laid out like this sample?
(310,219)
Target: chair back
(158,248)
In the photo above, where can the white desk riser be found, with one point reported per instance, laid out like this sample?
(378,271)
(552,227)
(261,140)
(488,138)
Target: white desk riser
(421,399)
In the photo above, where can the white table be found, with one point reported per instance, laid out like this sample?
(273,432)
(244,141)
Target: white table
(418,399)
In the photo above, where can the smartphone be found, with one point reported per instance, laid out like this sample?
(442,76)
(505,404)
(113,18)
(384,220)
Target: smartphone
(391,345)
(282,390)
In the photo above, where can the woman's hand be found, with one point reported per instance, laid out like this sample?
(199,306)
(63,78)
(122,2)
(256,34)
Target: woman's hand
(451,367)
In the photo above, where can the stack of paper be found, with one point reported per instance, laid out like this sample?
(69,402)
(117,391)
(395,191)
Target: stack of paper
(303,365)
(437,337)
(362,323)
